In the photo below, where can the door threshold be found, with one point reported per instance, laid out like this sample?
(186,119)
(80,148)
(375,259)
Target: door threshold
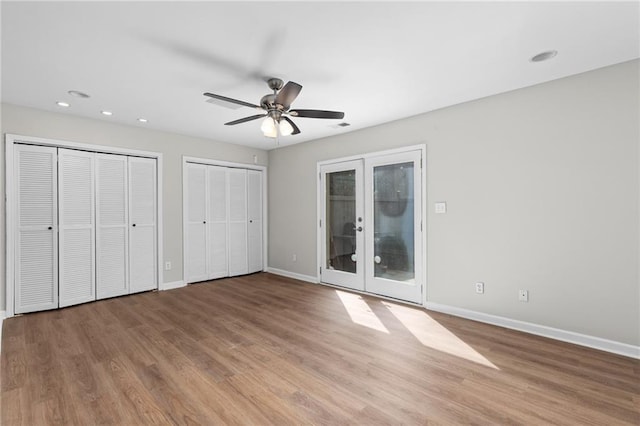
(366,293)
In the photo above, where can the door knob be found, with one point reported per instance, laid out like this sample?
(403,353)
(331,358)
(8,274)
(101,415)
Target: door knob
(50,228)
(359,228)
(133,224)
(354,258)
(377,259)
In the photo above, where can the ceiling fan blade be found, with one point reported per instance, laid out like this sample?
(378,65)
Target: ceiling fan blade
(233,101)
(316,113)
(295,128)
(288,94)
(244,120)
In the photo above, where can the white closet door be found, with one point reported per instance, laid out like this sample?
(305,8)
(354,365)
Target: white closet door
(77,230)
(237,190)
(111,226)
(36,255)
(254,227)
(196,250)
(217,222)
(142,221)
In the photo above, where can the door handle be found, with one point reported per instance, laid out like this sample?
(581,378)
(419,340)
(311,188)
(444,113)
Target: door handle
(359,228)
(377,259)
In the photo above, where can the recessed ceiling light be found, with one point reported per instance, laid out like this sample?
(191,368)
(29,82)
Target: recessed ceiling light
(78,94)
(544,56)
(62,104)
(107,113)
(142,120)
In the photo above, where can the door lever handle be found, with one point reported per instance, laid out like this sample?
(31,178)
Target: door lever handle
(359,228)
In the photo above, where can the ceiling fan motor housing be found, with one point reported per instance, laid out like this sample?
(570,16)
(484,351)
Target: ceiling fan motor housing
(268,101)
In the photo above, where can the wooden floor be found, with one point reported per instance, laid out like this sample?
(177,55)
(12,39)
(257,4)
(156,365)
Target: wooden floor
(264,350)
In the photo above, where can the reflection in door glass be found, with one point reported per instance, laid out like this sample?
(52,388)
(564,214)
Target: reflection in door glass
(393,213)
(340,216)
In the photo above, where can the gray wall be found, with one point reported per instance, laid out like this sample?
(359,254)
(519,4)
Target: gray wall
(542,189)
(32,122)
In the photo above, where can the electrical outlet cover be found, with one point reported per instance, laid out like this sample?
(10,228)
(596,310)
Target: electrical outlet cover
(523,295)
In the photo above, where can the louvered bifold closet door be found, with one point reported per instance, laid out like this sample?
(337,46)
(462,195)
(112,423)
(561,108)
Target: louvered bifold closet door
(143,274)
(237,188)
(254,227)
(36,254)
(77,231)
(111,226)
(217,222)
(196,250)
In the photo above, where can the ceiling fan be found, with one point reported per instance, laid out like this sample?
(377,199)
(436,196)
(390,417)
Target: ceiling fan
(275,109)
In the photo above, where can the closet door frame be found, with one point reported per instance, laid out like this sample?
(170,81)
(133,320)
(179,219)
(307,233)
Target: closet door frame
(10,190)
(212,162)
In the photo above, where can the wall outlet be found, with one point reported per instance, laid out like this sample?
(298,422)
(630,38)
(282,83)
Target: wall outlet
(441,207)
(523,295)
(167,266)
(480,288)
(294,257)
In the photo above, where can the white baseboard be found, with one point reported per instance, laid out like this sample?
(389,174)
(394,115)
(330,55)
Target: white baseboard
(541,330)
(2,315)
(171,285)
(295,275)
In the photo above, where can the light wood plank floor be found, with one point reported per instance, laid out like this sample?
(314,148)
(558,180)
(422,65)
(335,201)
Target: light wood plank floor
(264,350)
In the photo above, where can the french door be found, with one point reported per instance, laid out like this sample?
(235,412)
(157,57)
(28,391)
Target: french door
(342,224)
(371,224)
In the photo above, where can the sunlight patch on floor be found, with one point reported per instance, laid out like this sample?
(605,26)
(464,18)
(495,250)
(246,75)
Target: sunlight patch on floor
(431,333)
(359,311)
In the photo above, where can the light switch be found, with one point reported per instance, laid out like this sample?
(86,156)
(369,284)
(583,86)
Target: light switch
(441,207)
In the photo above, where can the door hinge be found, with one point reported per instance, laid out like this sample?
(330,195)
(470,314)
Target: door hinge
(319,176)
(321,270)
(420,162)
(320,223)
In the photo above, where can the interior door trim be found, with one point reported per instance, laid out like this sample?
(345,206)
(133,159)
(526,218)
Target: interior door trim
(319,203)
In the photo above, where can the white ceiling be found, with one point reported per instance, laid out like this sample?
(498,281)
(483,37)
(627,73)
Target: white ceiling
(376,61)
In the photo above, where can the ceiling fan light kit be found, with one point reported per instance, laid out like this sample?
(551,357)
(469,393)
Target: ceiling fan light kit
(275,109)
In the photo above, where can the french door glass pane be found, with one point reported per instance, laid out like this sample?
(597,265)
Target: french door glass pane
(341,217)
(393,212)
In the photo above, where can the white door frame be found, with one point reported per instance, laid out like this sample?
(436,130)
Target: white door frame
(10,216)
(320,202)
(212,162)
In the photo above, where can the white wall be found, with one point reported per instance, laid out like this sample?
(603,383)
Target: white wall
(43,124)
(542,187)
